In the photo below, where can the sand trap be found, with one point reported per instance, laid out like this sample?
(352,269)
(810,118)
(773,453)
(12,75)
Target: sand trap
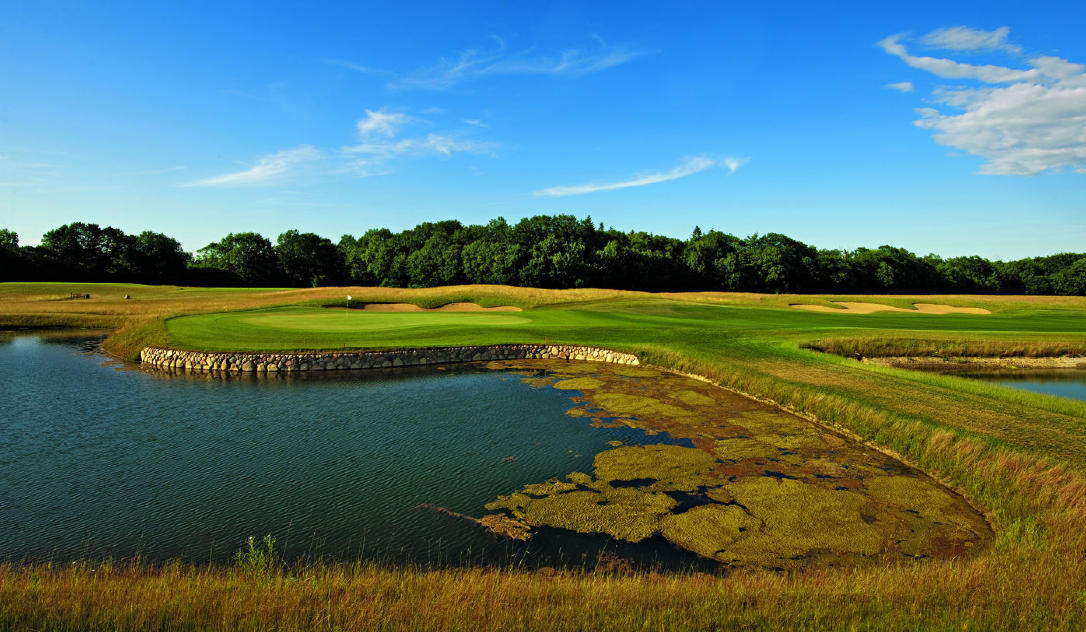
(450,307)
(849,307)
(932,308)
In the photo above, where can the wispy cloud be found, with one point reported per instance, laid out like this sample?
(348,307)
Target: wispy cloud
(950,69)
(963,38)
(732,163)
(370,158)
(268,169)
(383,123)
(349,65)
(19,172)
(688,167)
(904,86)
(378,145)
(476,123)
(477,63)
(155,172)
(1034,123)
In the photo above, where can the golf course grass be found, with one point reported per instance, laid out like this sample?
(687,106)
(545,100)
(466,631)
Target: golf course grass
(1018,457)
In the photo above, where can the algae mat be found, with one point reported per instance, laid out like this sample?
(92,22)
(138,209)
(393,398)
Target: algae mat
(742,483)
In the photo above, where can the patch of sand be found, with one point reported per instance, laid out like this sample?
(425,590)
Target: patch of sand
(850,307)
(450,307)
(932,308)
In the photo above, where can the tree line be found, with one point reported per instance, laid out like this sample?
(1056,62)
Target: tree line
(544,251)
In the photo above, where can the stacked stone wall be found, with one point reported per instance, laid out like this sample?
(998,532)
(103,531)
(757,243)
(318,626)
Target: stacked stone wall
(240,362)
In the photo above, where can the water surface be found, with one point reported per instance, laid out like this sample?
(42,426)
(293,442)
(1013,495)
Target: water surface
(99,460)
(597,462)
(1063,383)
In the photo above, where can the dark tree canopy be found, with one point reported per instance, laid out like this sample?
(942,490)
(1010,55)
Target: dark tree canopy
(247,256)
(559,251)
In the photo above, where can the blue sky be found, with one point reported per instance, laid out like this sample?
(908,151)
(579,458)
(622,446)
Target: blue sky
(954,128)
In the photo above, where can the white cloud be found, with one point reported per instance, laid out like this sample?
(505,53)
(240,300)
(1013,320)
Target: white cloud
(963,38)
(1034,123)
(949,69)
(378,145)
(477,63)
(904,86)
(476,123)
(155,172)
(269,169)
(689,166)
(382,123)
(369,158)
(732,163)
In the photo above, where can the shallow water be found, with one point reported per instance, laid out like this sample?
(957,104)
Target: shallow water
(1067,383)
(102,460)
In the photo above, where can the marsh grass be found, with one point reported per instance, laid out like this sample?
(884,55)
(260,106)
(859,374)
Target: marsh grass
(364,596)
(940,347)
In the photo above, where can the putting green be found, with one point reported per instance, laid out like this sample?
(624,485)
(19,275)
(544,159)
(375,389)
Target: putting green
(340,321)
(304,328)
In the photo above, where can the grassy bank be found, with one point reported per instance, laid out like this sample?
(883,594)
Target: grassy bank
(366,597)
(1019,457)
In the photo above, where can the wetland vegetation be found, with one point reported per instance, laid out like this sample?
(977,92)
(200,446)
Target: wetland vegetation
(1018,457)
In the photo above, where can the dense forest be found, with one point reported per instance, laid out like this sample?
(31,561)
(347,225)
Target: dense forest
(543,251)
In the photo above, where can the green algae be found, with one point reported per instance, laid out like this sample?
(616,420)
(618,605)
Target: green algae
(741,449)
(546,489)
(693,398)
(578,384)
(750,485)
(622,403)
(800,517)
(626,514)
(671,467)
(708,530)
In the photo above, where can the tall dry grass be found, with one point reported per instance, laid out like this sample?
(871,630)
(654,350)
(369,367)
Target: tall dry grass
(989,594)
(949,348)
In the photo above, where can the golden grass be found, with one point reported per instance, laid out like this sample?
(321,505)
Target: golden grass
(933,596)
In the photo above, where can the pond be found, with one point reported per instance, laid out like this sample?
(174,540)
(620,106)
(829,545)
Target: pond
(1064,383)
(585,462)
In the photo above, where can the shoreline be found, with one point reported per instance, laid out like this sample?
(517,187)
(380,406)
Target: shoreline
(257,362)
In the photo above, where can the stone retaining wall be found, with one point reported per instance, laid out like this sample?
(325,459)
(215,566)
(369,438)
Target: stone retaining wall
(177,359)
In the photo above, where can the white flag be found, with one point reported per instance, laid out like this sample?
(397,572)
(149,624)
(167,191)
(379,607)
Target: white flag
(348,297)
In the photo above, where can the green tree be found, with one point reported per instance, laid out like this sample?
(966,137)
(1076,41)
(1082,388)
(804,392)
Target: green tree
(87,252)
(780,264)
(308,260)
(247,257)
(10,259)
(156,258)
(1071,281)
(436,263)
(489,262)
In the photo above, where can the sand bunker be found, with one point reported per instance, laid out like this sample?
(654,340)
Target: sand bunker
(849,307)
(450,307)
